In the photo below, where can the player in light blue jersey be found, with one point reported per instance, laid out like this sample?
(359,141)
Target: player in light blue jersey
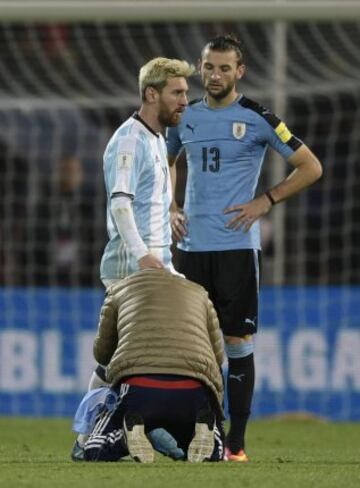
(137,181)
(225,136)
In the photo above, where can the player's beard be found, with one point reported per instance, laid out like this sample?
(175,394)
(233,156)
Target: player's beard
(167,118)
(219,95)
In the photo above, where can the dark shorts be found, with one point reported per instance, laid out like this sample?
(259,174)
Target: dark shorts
(232,280)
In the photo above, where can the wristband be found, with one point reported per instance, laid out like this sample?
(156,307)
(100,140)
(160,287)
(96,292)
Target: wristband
(270,197)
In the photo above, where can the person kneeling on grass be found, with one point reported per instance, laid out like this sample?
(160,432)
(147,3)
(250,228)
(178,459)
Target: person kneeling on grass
(160,341)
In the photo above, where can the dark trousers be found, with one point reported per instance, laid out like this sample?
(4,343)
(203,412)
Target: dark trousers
(174,410)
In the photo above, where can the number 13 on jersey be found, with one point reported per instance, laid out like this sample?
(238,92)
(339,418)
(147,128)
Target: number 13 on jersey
(211,159)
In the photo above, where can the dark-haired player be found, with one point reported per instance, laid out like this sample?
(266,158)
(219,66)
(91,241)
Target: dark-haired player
(225,136)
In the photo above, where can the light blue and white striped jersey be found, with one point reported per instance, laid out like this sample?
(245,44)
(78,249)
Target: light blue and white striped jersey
(135,164)
(225,150)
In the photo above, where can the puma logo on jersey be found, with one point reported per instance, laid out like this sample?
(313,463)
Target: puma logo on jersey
(237,377)
(191,127)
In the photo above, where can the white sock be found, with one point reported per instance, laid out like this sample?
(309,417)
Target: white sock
(82,438)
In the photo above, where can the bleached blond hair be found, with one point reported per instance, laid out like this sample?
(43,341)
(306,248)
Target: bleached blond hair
(156,73)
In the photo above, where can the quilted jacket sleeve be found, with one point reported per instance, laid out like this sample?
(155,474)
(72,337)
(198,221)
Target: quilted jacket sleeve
(215,333)
(107,336)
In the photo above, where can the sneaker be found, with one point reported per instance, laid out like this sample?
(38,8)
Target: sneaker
(202,445)
(77,453)
(239,457)
(165,443)
(138,444)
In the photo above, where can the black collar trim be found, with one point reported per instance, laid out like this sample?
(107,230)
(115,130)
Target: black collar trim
(137,117)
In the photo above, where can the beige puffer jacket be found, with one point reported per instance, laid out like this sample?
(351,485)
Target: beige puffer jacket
(154,322)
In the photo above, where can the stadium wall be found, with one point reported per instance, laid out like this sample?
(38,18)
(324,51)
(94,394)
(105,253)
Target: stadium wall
(307,351)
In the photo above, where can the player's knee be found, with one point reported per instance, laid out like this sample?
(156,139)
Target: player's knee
(239,349)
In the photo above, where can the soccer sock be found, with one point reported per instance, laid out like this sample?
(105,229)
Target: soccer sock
(82,438)
(240,385)
(97,380)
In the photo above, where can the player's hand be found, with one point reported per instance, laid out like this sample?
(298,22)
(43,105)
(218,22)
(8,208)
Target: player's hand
(247,213)
(178,225)
(150,261)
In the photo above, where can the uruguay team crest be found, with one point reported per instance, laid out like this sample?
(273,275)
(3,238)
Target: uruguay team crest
(239,129)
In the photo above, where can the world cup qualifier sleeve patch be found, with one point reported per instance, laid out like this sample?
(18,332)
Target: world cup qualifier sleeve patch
(124,160)
(124,180)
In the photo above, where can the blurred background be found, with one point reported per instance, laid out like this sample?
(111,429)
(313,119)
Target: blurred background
(68,79)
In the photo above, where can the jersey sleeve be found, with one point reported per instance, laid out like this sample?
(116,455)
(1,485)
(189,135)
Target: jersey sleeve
(274,132)
(126,165)
(173,141)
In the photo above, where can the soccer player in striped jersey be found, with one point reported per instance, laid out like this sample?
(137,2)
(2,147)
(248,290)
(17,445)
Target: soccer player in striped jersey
(225,136)
(136,173)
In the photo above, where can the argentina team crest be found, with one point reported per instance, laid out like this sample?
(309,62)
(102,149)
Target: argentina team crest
(238,129)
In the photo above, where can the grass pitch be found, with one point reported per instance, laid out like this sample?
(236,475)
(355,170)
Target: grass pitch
(284,454)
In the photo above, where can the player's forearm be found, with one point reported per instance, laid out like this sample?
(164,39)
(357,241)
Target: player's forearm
(296,182)
(172,167)
(307,171)
(121,209)
(173,206)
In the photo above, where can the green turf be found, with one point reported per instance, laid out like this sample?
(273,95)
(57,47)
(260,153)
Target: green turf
(284,454)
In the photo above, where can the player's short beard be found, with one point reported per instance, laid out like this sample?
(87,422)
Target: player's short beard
(223,93)
(167,119)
